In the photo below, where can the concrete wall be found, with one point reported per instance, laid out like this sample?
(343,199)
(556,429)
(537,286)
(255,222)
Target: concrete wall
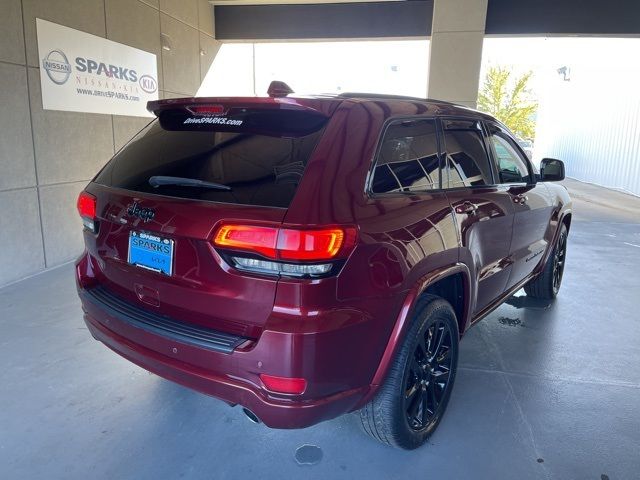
(47,157)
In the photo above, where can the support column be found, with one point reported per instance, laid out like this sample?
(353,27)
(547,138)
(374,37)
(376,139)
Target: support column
(457,34)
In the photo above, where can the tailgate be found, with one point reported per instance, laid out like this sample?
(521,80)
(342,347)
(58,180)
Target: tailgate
(201,288)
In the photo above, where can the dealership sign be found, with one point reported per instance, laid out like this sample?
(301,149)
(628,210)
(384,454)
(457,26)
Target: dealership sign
(80,72)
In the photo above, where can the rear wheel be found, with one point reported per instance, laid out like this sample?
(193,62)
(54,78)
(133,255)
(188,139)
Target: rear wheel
(547,284)
(410,404)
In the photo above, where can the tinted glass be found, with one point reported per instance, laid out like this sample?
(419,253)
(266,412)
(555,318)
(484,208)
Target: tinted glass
(467,161)
(512,168)
(408,158)
(261,169)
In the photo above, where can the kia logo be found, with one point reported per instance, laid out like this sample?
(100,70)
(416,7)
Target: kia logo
(57,66)
(145,214)
(148,83)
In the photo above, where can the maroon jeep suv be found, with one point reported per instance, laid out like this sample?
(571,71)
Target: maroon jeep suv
(304,257)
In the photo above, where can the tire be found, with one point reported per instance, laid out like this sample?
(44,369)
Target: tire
(547,284)
(397,415)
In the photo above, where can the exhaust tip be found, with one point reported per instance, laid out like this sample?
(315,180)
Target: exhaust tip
(250,415)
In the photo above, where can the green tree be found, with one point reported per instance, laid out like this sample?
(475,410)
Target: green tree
(509,100)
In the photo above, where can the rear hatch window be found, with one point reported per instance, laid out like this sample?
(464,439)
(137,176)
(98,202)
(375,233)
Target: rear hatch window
(247,156)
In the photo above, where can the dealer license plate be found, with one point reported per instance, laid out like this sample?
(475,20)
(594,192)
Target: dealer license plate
(147,250)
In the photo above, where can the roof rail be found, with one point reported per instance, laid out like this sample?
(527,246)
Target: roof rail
(377,95)
(392,97)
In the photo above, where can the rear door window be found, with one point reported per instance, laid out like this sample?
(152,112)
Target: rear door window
(467,161)
(408,158)
(259,155)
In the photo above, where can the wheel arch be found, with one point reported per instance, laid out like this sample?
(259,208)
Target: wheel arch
(566,219)
(439,280)
(562,218)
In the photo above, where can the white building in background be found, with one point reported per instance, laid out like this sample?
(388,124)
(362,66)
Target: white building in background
(589,117)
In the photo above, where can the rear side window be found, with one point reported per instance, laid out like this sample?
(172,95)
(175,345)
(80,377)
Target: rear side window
(467,161)
(408,158)
(259,156)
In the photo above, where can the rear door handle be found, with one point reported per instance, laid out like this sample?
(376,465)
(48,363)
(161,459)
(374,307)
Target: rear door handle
(468,208)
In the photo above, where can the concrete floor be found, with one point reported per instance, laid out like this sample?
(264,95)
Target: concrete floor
(544,391)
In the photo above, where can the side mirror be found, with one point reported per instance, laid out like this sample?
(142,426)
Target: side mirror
(551,170)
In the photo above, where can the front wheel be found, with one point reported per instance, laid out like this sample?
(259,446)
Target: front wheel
(410,404)
(547,284)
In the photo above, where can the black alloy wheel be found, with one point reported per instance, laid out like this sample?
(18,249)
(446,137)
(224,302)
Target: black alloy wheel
(427,380)
(411,402)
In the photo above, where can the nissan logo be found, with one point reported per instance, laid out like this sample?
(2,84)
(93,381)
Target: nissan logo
(57,66)
(148,83)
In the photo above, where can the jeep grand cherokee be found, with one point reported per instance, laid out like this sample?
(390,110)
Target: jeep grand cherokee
(304,257)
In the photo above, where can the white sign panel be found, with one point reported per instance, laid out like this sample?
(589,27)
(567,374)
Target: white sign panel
(80,72)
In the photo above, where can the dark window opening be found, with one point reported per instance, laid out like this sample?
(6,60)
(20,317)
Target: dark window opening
(467,161)
(408,158)
(261,168)
(512,166)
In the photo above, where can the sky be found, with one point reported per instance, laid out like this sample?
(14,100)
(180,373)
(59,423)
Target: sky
(401,67)
(618,58)
(398,67)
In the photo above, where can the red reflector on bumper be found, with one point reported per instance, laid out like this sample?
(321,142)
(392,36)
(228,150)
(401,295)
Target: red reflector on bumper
(283,384)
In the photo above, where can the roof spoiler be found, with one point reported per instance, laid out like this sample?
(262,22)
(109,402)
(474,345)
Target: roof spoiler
(226,103)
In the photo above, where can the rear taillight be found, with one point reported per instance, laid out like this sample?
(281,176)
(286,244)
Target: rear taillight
(87,210)
(250,238)
(315,252)
(322,244)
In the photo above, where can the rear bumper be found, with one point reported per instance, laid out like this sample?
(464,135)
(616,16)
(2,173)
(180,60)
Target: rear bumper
(336,349)
(275,413)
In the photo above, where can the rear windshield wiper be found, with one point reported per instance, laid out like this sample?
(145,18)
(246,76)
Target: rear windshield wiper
(160,180)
